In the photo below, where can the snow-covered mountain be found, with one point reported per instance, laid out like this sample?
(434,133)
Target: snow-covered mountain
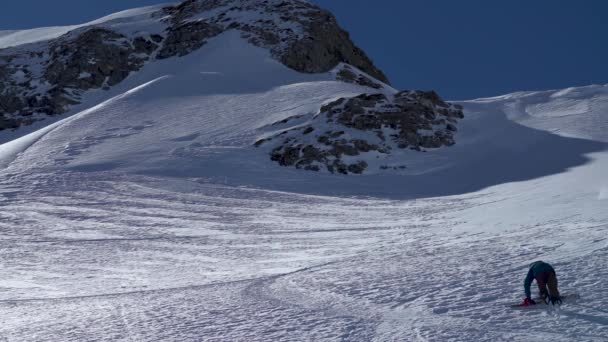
(44,72)
(76,68)
(157,205)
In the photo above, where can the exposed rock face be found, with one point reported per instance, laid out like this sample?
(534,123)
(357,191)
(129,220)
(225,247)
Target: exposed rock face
(326,46)
(182,39)
(346,132)
(300,35)
(8,123)
(95,59)
(67,67)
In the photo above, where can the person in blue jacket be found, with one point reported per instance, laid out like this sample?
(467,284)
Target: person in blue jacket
(546,279)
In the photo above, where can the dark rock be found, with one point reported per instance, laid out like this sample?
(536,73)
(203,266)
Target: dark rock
(364,146)
(357,168)
(260,142)
(287,156)
(6,123)
(324,140)
(364,81)
(312,168)
(185,38)
(325,46)
(94,59)
(142,45)
(340,167)
(308,130)
(157,38)
(346,74)
(343,148)
(328,107)
(10,102)
(188,8)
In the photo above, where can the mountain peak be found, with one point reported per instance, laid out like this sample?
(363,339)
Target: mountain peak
(48,77)
(301,35)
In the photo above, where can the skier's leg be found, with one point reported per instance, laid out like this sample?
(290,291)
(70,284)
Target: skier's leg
(541,281)
(552,284)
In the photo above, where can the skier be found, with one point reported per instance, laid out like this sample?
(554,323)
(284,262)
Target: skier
(545,278)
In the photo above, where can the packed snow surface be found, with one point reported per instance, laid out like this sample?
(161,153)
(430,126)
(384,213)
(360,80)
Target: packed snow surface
(151,217)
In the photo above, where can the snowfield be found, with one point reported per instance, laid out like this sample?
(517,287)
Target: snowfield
(150,216)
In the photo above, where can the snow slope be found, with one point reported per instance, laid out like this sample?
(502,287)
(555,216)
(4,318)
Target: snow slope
(134,17)
(150,217)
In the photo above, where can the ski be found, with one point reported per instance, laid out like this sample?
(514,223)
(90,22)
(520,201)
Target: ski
(567,298)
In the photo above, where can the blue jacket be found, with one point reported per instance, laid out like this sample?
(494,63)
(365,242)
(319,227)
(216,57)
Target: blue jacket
(536,268)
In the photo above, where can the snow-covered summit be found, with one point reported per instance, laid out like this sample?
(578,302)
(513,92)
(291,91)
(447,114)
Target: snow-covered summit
(49,71)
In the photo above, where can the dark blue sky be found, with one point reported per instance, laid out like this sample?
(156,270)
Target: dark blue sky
(464,49)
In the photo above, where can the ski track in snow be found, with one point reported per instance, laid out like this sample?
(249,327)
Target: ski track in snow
(107,259)
(151,218)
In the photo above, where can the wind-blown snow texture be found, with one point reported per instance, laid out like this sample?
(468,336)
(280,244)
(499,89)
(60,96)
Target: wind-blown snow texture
(151,217)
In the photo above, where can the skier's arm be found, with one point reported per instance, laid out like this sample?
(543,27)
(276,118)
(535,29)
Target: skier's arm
(528,283)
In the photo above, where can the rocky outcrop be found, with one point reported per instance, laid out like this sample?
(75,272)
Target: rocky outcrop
(69,66)
(300,35)
(8,123)
(348,132)
(326,45)
(95,59)
(347,74)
